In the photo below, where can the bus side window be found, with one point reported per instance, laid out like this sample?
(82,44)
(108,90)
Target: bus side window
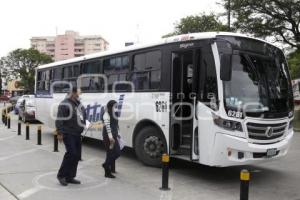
(68,76)
(92,84)
(68,72)
(91,67)
(39,81)
(109,66)
(153,63)
(116,69)
(57,76)
(147,70)
(76,70)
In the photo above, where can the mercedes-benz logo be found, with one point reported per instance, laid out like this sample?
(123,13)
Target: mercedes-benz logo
(269,132)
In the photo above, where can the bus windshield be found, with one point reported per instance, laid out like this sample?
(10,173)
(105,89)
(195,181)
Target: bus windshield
(260,84)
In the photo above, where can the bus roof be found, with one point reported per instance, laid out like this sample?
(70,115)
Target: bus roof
(172,39)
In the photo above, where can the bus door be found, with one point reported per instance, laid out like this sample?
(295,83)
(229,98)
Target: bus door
(183,138)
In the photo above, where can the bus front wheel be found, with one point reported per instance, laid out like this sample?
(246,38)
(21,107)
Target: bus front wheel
(150,144)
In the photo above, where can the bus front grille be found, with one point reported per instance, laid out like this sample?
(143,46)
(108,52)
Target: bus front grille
(266,131)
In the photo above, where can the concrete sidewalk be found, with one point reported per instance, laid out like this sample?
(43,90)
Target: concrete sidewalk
(6,195)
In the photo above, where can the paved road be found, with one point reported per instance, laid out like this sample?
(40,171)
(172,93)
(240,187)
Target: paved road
(28,171)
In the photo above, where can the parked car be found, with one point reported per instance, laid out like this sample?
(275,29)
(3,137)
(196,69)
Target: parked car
(27,110)
(20,100)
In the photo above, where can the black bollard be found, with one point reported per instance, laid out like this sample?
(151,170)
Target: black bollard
(165,172)
(39,135)
(27,132)
(244,189)
(19,127)
(55,149)
(8,121)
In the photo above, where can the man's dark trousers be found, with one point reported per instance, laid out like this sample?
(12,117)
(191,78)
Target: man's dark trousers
(69,165)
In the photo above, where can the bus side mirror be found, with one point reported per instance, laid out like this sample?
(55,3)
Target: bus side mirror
(226,67)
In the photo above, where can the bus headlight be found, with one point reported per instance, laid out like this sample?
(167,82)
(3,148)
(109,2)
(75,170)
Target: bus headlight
(227,124)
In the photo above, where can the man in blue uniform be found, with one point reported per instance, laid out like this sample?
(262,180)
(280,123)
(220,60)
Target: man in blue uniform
(70,124)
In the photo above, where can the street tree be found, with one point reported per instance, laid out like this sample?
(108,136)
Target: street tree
(3,73)
(279,19)
(198,23)
(294,64)
(21,63)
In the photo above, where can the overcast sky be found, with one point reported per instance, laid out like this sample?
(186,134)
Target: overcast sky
(118,21)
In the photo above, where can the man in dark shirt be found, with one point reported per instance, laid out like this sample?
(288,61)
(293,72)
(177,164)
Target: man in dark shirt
(70,124)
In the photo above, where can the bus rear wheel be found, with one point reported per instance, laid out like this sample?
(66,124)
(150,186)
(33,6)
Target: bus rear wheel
(150,144)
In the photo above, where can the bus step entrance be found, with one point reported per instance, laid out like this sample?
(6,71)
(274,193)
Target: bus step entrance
(186,139)
(184,150)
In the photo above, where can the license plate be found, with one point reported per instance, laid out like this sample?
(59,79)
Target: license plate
(271,152)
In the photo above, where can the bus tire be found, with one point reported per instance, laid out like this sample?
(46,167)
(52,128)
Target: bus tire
(150,144)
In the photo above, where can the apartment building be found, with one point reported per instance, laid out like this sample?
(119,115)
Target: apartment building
(69,45)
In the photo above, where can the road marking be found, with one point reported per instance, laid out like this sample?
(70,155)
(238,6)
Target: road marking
(38,186)
(29,192)
(7,138)
(17,154)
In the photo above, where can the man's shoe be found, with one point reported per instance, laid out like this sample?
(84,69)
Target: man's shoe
(109,175)
(62,181)
(107,172)
(74,181)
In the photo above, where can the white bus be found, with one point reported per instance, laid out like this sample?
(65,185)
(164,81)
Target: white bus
(219,99)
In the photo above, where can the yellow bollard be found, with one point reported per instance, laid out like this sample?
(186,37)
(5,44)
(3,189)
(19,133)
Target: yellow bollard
(165,172)
(244,188)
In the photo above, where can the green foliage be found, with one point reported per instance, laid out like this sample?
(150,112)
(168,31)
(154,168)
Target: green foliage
(279,19)
(21,63)
(3,73)
(294,64)
(198,23)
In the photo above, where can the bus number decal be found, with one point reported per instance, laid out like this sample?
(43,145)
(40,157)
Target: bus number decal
(161,106)
(236,114)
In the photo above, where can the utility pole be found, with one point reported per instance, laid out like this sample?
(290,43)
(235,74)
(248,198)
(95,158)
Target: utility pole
(229,15)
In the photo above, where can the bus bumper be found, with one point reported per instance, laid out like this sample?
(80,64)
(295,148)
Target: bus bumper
(231,151)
